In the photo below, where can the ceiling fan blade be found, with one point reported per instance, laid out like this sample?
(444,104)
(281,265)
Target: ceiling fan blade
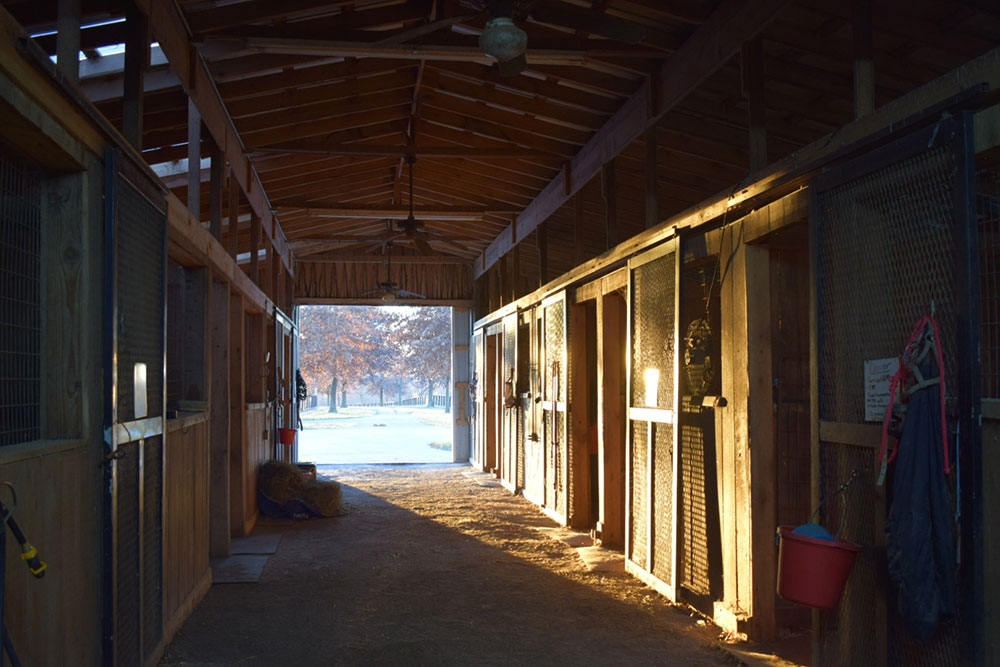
(422,245)
(408,293)
(513,67)
(584,20)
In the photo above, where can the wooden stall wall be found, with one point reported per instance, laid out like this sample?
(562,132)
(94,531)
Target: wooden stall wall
(991,529)
(259,448)
(56,620)
(186,572)
(322,281)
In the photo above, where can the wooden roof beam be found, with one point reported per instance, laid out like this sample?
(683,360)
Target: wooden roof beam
(708,49)
(170,30)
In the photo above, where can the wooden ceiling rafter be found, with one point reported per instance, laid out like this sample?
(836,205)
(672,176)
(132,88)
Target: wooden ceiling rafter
(708,49)
(169,28)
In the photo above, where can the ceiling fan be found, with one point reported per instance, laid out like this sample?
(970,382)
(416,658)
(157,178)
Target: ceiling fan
(503,40)
(388,290)
(414,230)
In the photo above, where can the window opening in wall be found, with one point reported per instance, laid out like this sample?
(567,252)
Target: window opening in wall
(20,301)
(378,383)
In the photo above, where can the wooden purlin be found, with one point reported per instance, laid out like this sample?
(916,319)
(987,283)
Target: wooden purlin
(170,30)
(719,38)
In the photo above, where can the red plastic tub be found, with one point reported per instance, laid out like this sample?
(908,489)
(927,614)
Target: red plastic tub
(813,571)
(286,436)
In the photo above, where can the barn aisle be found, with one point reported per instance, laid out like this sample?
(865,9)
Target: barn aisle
(428,567)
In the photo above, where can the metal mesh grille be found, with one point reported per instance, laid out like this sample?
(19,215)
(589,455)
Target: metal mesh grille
(20,301)
(639,472)
(988,214)
(653,330)
(886,252)
(694,566)
(127,565)
(152,540)
(140,232)
(663,502)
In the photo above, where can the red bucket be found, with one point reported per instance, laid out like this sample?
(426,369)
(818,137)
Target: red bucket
(813,571)
(286,436)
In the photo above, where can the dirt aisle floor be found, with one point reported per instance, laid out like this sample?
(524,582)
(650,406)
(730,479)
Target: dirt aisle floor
(428,568)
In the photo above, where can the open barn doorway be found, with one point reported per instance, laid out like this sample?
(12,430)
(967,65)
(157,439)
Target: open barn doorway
(378,384)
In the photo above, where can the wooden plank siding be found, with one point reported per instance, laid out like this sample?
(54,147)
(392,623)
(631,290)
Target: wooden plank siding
(186,572)
(54,621)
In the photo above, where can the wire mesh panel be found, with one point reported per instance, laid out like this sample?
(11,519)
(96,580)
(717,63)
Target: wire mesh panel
(554,398)
(20,301)
(141,237)
(886,249)
(697,474)
(988,215)
(639,476)
(128,650)
(152,545)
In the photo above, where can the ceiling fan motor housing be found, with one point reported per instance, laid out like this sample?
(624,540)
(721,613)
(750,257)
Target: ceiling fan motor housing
(502,39)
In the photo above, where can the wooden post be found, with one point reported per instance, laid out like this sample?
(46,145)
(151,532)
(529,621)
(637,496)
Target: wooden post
(237,412)
(219,406)
(610,205)
(578,230)
(504,279)
(194,160)
(68,39)
(611,335)
(516,272)
(136,61)
(232,232)
(761,441)
(255,248)
(542,242)
(864,68)
(752,60)
(216,177)
(652,196)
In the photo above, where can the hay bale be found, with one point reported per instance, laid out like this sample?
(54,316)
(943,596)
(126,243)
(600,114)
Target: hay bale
(284,482)
(324,495)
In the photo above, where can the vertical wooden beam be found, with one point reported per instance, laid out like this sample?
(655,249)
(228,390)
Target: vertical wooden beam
(219,407)
(652,195)
(216,178)
(726,424)
(578,228)
(136,61)
(752,61)
(864,67)
(233,227)
(610,205)
(611,337)
(255,248)
(542,241)
(761,441)
(504,280)
(515,281)
(194,160)
(237,412)
(68,39)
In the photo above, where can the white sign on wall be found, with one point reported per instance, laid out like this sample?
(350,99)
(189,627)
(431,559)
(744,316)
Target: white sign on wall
(878,373)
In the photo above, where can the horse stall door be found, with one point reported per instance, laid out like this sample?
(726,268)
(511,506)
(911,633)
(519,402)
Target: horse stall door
(534,460)
(554,406)
(652,438)
(135,268)
(699,540)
